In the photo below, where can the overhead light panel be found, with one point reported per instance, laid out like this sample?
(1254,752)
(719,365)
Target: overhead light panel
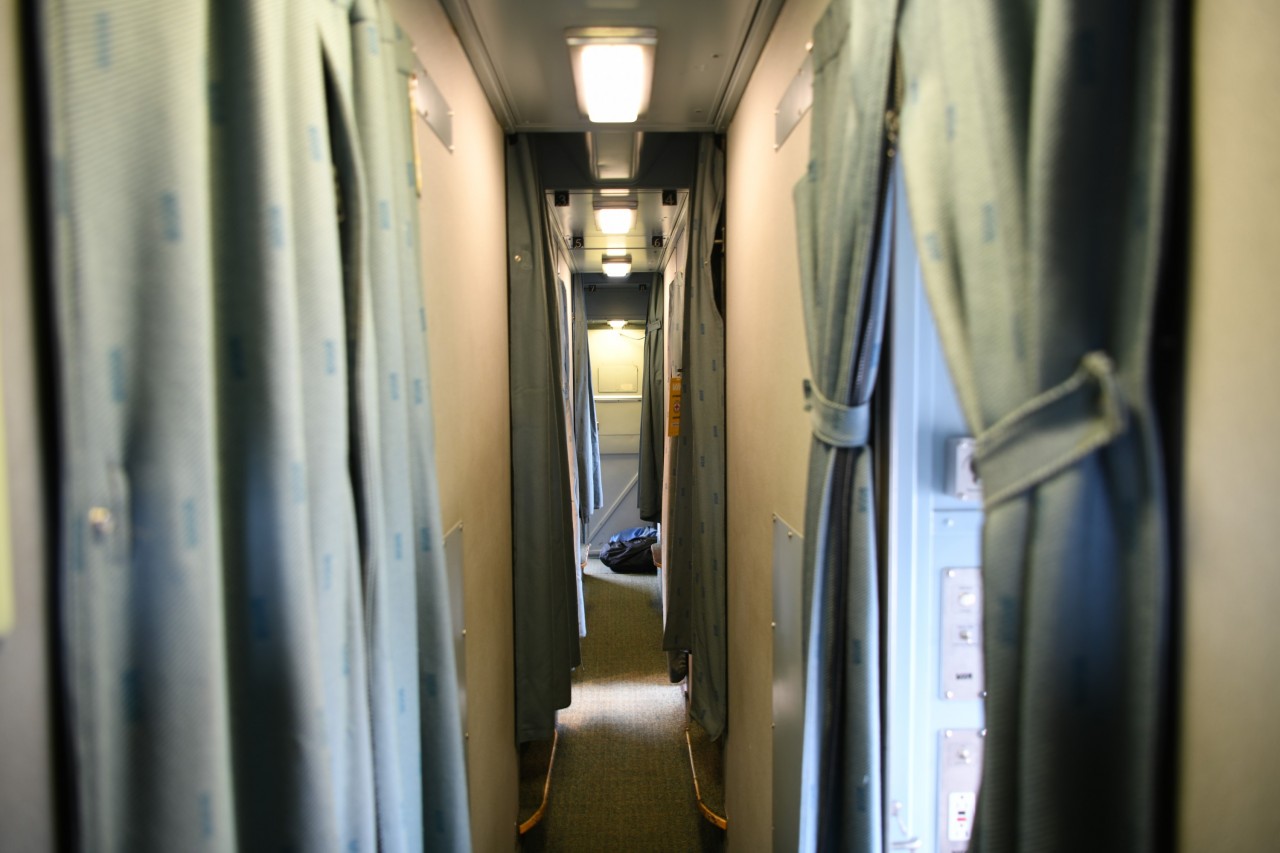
(616,266)
(612,71)
(615,216)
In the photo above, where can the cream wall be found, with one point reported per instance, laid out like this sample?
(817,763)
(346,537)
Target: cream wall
(768,442)
(27,819)
(622,349)
(1230,757)
(465,278)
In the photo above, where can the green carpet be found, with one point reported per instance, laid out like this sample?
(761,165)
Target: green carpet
(621,780)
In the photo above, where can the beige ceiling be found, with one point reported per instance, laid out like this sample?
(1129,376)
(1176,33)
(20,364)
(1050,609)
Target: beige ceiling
(705,54)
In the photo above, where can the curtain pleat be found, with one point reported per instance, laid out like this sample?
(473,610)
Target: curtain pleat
(445,804)
(392,587)
(240,615)
(1036,143)
(653,415)
(696,592)
(586,434)
(839,215)
(676,606)
(544,550)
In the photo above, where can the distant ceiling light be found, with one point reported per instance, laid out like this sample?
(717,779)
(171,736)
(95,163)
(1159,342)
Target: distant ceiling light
(617,325)
(615,216)
(616,266)
(612,71)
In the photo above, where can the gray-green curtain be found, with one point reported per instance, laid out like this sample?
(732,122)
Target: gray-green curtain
(544,553)
(585,432)
(653,412)
(1036,142)
(838,213)
(255,630)
(424,737)
(696,592)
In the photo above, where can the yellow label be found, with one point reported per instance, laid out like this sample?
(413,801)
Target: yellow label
(673,414)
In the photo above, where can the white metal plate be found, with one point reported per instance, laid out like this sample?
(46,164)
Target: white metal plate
(788,682)
(431,106)
(794,104)
(959,775)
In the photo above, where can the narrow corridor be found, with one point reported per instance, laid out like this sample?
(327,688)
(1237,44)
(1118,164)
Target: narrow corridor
(621,780)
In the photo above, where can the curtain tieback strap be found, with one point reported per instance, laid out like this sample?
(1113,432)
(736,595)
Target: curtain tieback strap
(653,325)
(1052,431)
(834,424)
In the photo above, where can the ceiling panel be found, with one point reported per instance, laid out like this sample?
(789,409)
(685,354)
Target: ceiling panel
(706,50)
(653,219)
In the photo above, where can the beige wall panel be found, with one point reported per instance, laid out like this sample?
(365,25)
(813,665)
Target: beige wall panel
(463,243)
(1231,686)
(768,433)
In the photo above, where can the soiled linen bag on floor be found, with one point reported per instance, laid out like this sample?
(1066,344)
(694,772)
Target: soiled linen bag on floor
(629,551)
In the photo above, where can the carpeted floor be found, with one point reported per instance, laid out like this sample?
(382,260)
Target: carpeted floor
(621,780)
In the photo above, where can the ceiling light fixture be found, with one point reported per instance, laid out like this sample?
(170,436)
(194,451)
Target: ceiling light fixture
(615,216)
(616,266)
(617,325)
(612,71)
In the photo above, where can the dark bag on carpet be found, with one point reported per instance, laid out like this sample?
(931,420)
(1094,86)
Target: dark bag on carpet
(629,551)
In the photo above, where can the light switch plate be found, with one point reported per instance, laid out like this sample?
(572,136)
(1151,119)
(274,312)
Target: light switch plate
(960,652)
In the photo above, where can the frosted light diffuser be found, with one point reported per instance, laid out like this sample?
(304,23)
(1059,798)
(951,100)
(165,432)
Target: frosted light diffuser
(616,266)
(613,76)
(612,71)
(613,217)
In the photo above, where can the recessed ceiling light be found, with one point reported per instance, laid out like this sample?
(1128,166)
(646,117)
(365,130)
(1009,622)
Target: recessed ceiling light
(615,216)
(616,266)
(612,71)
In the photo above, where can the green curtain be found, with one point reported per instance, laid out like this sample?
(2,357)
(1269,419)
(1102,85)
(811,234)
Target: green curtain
(585,432)
(1036,148)
(544,551)
(653,414)
(255,635)
(413,729)
(839,216)
(696,592)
